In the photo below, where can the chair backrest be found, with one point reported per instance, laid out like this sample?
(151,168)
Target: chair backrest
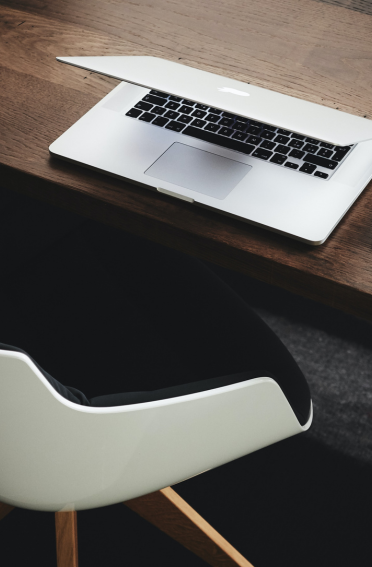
(56,455)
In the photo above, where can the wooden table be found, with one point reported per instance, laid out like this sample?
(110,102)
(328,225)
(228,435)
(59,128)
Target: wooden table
(317,51)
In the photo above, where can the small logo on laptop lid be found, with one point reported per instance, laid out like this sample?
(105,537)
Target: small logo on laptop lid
(233,91)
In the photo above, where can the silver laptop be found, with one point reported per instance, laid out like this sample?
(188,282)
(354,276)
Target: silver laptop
(272,160)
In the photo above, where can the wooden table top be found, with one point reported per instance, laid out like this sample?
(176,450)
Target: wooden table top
(318,51)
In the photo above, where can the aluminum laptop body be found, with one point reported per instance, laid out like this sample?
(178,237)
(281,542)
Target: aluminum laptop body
(279,162)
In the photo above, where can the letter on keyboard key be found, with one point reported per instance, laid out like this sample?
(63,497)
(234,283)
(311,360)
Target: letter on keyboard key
(262,154)
(323,162)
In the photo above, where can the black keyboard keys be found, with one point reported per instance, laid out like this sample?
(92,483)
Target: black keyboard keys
(226,122)
(143,105)
(171,115)
(297,154)
(147,117)
(255,140)
(312,141)
(307,168)
(186,109)
(239,136)
(323,162)
(212,118)
(133,113)
(172,105)
(226,131)
(323,152)
(267,145)
(296,144)
(158,93)
(291,165)
(282,149)
(240,126)
(154,100)
(283,132)
(321,174)
(219,140)
(160,121)
(254,130)
(185,119)
(198,123)
(278,158)
(212,127)
(310,148)
(281,139)
(262,154)
(176,126)
(158,110)
(268,135)
(199,113)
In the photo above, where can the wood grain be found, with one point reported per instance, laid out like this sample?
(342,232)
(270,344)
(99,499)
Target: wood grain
(66,539)
(5,509)
(167,511)
(305,48)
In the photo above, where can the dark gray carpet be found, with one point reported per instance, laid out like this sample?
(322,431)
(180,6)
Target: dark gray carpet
(334,350)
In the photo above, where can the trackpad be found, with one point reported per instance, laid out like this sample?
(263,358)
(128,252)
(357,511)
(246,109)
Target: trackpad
(198,170)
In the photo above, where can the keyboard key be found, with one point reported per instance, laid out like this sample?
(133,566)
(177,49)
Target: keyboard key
(198,123)
(172,105)
(158,110)
(176,126)
(257,124)
(175,98)
(329,147)
(254,140)
(229,115)
(219,140)
(321,174)
(338,156)
(267,145)
(307,168)
(143,105)
(282,149)
(133,113)
(185,119)
(291,165)
(212,127)
(297,154)
(155,100)
(271,128)
(186,109)
(172,115)
(158,93)
(201,106)
(323,162)
(188,102)
(283,132)
(214,110)
(239,136)
(268,135)
(212,118)
(226,131)
(281,139)
(262,154)
(226,122)
(278,158)
(298,136)
(310,148)
(296,144)
(253,130)
(199,113)
(312,141)
(160,121)
(324,153)
(147,117)
(240,126)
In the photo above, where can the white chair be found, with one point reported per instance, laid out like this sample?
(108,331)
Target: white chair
(62,457)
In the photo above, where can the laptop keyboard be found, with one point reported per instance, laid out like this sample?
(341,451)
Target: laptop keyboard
(274,145)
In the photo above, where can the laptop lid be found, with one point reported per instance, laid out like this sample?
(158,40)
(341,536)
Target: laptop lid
(283,111)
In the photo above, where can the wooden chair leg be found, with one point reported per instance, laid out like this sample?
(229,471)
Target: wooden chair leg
(5,509)
(167,511)
(66,539)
